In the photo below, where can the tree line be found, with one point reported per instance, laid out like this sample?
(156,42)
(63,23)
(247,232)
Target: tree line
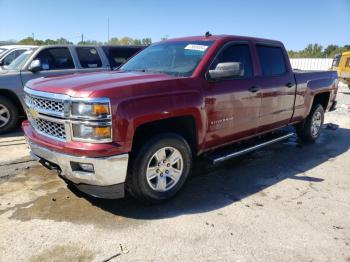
(310,51)
(317,51)
(63,41)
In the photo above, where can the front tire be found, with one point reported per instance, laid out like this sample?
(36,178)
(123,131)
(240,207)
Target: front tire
(8,115)
(159,168)
(310,129)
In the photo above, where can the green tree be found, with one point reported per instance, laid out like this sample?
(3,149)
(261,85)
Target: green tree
(114,41)
(312,51)
(90,42)
(331,50)
(146,41)
(50,42)
(63,41)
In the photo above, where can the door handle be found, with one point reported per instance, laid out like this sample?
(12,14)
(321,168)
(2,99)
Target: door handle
(289,85)
(254,89)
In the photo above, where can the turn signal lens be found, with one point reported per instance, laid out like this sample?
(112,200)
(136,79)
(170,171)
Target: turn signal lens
(103,132)
(100,109)
(91,133)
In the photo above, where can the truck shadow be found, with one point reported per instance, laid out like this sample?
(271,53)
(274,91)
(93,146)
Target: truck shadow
(15,133)
(214,187)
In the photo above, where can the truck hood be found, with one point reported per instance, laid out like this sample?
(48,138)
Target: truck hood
(85,84)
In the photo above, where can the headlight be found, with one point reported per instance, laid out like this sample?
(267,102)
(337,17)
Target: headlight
(95,110)
(91,132)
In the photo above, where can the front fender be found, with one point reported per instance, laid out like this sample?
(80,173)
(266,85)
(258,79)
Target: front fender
(136,111)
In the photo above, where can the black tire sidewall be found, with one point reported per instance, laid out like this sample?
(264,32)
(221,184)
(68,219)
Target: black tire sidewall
(143,191)
(308,123)
(13,115)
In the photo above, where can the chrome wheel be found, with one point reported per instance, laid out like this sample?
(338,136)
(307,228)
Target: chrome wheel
(164,169)
(4,115)
(316,124)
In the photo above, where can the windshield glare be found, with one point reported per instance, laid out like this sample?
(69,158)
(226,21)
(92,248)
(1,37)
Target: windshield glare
(173,58)
(20,60)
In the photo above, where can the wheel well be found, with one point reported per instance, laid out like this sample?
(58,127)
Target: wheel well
(13,98)
(322,99)
(184,126)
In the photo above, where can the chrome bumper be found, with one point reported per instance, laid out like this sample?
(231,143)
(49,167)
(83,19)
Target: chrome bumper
(107,171)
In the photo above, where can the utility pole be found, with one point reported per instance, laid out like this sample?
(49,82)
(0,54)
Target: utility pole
(82,38)
(108,29)
(33,36)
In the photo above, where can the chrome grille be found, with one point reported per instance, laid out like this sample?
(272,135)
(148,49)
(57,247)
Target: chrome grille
(49,128)
(45,104)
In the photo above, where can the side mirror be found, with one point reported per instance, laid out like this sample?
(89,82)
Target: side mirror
(35,66)
(227,69)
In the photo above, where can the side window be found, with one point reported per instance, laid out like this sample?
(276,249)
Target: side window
(347,63)
(271,60)
(55,59)
(236,53)
(89,57)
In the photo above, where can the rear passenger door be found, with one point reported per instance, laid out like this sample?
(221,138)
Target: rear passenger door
(54,61)
(277,87)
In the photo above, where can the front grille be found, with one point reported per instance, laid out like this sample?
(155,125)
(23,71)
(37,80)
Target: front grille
(46,104)
(53,129)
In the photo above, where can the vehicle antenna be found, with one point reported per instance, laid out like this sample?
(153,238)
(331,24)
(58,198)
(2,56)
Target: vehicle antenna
(207,34)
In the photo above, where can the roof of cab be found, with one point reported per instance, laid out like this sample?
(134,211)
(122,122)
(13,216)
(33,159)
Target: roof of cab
(224,37)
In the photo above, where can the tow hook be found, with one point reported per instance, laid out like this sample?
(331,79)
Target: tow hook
(48,165)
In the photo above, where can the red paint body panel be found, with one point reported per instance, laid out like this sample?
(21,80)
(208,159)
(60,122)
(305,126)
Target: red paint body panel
(223,111)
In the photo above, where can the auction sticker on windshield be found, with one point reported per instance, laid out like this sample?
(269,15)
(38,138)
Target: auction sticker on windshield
(201,48)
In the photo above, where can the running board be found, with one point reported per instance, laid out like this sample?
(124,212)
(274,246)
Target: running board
(219,157)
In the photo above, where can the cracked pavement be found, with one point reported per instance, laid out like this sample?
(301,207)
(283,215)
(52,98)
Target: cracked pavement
(286,202)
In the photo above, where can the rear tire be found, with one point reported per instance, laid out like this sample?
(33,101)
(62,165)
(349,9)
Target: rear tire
(159,168)
(8,115)
(310,129)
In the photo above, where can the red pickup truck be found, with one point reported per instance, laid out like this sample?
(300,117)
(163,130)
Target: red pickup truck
(138,129)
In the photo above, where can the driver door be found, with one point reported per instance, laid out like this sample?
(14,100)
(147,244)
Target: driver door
(54,61)
(232,103)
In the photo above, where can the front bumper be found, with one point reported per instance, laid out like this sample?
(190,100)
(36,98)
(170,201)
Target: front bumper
(106,180)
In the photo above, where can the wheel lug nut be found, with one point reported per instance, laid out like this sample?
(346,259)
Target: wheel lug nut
(166,171)
(157,170)
(168,165)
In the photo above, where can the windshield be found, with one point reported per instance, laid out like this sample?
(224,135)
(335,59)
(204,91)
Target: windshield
(336,60)
(20,61)
(173,58)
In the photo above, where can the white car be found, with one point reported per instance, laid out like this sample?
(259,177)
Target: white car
(8,53)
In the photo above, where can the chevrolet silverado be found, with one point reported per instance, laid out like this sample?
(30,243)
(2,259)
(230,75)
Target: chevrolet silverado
(138,129)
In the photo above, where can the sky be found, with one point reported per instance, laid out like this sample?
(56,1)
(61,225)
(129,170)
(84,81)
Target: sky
(296,23)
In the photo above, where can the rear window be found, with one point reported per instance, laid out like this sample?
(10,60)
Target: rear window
(347,63)
(271,60)
(117,56)
(88,57)
(336,61)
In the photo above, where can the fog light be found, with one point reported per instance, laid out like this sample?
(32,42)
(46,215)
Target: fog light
(86,167)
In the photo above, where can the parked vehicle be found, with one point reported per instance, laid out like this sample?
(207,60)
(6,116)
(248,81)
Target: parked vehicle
(9,53)
(47,61)
(341,63)
(118,55)
(140,127)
